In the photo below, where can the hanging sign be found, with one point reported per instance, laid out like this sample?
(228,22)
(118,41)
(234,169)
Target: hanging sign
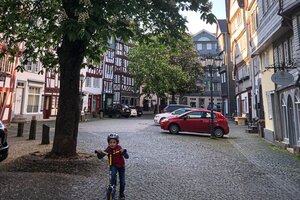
(282,78)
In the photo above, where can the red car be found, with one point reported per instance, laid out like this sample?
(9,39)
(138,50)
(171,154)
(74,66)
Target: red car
(196,121)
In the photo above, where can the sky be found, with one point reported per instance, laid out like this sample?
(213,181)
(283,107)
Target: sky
(195,24)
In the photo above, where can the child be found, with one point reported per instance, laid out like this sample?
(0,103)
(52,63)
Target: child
(118,163)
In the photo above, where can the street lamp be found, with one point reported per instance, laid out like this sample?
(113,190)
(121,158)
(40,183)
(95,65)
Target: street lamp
(211,63)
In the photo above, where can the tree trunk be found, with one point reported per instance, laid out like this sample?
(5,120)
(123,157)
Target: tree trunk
(173,98)
(71,55)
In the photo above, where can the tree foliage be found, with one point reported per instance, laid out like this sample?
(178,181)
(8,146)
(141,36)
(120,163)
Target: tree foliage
(44,24)
(162,69)
(62,32)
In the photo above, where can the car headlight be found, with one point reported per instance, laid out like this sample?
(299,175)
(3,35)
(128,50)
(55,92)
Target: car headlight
(164,120)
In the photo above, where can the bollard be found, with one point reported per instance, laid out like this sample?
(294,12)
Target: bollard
(20,129)
(45,134)
(32,132)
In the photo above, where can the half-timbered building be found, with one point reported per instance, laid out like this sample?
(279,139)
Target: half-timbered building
(51,93)
(123,82)
(7,84)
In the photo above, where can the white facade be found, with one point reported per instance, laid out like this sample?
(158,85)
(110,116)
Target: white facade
(29,90)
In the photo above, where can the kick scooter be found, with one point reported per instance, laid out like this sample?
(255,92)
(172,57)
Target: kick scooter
(111,187)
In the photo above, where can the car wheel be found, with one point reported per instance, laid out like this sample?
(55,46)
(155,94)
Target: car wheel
(161,119)
(174,129)
(118,115)
(219,132)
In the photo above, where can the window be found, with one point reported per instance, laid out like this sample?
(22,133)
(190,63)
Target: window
(110,56)
(298,26)
(117,79)
(2,64)
(126,49)
(265,60)
(108,71)
(216,87)
(283,114)
(204,39)
(96,82)
(118,62)
(254,20)
(199,46)
(208,46)
(195,115)
(297,106)
(33,66)
(239,19)
(108,86)
(291,50)
(243,42)
(6,65)
(270,96)
(125,63)
(223,77)
(33,100)
(116,96)
(286,51)
(276,58)
(119,48)
(88,81)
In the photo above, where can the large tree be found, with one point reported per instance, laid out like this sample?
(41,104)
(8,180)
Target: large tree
(166,68)
(151,67)
(62,32)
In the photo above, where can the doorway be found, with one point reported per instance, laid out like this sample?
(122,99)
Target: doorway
(291,123)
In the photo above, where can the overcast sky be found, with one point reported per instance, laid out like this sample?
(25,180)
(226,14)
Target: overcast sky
(195,24)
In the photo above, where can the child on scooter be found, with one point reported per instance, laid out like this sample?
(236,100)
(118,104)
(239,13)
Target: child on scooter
(117,154)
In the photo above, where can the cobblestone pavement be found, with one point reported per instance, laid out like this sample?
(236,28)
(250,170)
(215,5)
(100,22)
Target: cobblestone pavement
(164,166)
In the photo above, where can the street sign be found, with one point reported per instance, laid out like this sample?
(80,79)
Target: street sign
(282,78)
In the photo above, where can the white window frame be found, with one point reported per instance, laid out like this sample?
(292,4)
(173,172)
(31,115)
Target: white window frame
(297,108)
(199,46)
(96,82)
(88,81)
(36,95)
(209,46)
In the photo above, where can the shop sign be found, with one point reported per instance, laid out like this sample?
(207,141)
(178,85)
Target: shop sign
(282,78)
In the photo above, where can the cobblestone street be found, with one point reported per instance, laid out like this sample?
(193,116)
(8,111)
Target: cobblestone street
(164,166)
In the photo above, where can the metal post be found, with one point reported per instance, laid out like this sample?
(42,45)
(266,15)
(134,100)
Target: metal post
(212,133)
(32,131)
(20,129)
(45,134)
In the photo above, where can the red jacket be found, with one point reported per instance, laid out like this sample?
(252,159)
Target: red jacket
(117,156)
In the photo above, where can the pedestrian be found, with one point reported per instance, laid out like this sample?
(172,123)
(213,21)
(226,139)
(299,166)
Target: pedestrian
(117,155)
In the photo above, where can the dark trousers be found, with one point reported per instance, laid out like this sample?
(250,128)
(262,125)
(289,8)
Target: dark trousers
(121,171)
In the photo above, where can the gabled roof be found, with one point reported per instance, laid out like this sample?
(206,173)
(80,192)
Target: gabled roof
(223,25)
(203,30)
